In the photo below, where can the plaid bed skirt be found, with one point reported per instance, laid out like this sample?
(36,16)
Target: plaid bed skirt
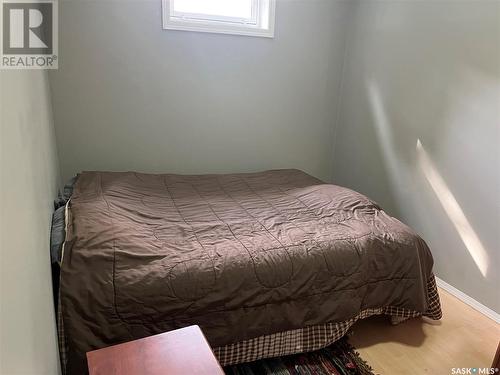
(300,340)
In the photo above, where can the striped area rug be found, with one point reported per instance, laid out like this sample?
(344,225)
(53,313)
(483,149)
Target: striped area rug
(339,358)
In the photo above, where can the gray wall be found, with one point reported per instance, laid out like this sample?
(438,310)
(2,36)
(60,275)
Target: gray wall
(429,71)
(131,96)
(29,181)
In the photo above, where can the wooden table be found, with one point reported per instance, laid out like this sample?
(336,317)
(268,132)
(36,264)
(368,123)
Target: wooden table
(180,352)
(496,360)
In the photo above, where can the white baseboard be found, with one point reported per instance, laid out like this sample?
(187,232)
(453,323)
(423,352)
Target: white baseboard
(468,300)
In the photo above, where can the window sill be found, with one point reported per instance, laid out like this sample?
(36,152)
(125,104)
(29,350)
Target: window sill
(217,29)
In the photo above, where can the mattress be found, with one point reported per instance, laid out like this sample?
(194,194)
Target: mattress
(241,255)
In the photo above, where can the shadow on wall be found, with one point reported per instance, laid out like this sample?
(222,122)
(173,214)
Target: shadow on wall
(401,174)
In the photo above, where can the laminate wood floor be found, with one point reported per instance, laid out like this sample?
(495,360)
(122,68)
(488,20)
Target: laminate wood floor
(464,338)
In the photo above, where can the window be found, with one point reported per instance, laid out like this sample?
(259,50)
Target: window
(243,17)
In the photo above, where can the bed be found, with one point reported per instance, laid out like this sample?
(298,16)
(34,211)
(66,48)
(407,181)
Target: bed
(267,264)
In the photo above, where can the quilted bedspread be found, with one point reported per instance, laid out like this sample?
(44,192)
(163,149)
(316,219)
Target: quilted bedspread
(241,255)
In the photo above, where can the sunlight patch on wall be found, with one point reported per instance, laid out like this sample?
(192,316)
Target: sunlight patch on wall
(453,210)
(383,129)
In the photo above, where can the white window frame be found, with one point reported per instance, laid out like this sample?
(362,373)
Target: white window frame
(261,22)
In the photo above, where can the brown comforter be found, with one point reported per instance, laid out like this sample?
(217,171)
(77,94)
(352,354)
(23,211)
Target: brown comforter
(241,255)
